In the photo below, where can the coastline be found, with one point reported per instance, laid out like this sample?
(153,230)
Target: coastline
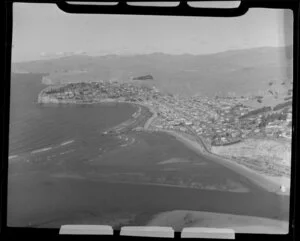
(269,183)
(179,219)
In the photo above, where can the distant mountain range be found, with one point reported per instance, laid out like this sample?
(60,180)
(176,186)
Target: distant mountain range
(239,72)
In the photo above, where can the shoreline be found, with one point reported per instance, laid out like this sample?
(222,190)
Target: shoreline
(179,219)
(269,183)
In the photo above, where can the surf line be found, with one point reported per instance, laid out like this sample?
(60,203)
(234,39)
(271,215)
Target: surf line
(67,142)
(41,150)
(12,157)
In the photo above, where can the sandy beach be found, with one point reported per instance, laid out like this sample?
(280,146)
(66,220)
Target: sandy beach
(240,224)
(271,184)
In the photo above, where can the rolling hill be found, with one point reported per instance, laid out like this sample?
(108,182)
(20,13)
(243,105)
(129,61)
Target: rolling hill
(239,72)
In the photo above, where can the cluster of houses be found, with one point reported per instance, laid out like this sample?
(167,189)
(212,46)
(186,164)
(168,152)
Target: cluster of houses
(217,120)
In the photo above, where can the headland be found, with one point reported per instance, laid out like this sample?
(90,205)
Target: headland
(198,122)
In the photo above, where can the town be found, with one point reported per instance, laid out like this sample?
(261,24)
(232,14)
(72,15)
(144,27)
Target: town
(217,121)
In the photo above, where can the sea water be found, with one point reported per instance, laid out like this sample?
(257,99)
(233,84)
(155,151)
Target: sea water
(63,170)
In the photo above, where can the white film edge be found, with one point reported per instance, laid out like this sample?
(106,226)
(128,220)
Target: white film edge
(219,233)
(147,231)
(86,229)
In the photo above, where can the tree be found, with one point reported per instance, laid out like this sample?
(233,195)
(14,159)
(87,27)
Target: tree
(263,123)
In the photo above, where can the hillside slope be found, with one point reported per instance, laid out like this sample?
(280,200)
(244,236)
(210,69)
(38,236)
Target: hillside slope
(239,71)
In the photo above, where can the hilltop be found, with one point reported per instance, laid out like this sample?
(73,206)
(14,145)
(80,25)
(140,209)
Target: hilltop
(237,72)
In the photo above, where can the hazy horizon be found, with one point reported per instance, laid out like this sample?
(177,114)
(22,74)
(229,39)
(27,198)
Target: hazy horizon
(43,31)
(139,54)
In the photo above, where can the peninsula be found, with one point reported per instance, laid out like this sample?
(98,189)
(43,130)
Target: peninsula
(254,142)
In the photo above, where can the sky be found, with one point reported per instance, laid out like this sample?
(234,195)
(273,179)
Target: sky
(43,31)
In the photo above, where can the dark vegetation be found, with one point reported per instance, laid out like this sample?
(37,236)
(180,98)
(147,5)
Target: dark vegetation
(257,111)
(282,105)
(272,117)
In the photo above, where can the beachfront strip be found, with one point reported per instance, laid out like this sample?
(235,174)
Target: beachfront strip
(215,122)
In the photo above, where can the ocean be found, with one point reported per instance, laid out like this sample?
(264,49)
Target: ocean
(63,170)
